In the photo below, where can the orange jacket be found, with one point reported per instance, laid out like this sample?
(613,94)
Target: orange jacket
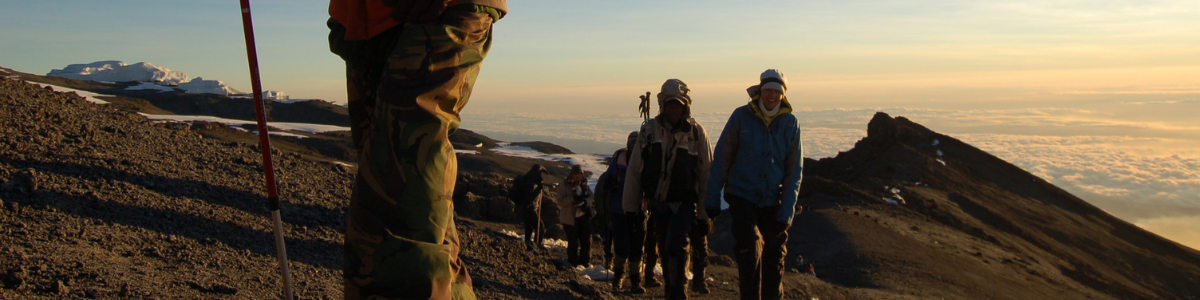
(364,19)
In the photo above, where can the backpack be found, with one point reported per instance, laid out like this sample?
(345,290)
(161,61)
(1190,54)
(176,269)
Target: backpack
(520,191)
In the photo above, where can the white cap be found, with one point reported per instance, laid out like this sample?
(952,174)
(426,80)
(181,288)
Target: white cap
(773,79)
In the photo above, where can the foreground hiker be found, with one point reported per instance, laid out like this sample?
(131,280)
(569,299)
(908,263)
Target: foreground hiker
(410,67)
(575,214)
(526,195)
(758,162)
(668,171)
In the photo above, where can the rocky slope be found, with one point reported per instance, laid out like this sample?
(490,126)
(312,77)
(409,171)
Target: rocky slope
(101,203)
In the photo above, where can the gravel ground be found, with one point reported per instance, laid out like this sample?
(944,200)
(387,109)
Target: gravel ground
(101,203)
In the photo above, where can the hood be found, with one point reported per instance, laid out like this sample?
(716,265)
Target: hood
(755,94)
(675,89)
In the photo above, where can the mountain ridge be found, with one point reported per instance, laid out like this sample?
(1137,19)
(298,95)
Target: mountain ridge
(971,226)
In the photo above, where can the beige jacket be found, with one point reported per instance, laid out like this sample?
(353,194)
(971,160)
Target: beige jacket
(654,131)
(568,210)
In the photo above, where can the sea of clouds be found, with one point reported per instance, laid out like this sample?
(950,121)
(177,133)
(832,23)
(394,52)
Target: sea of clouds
(1144,169)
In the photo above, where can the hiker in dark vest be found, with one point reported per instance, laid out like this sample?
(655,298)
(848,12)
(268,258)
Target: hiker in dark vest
(668,173)
(410,69)
(526,195)
(602,219)
(758,162)
(612,182)
(575,214)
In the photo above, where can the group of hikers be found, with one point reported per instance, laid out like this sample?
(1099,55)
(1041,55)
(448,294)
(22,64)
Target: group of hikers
(656,201)
(410,69)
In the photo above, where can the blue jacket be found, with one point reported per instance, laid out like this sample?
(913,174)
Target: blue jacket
(758,159)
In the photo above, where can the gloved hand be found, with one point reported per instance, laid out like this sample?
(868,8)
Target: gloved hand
(713,213)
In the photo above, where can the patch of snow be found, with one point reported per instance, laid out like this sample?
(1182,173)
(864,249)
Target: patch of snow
(277,133)
(557,243)
(590,162)
(118,71)
(941,161)
(939,152)
(276,96)
(460,151)
(510,233)
(89,96)
(305,127)
(201,86)
(595,272)
(150,86)
(936,142)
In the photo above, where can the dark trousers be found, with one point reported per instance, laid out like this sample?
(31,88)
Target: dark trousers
(650,245)
(621,230)
(579,241)
(672,229)
(760,246)
(601,222)
(698,238)
(533,225)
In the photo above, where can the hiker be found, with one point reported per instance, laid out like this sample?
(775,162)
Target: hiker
(526,195)
(612,182)
(575,215)
(410,67)
(758,162)
(602,219)
(668,171)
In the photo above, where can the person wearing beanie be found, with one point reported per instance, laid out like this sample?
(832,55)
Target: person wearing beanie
(609,189)
(410,68)
(763,138)
(575,214)
(668,174)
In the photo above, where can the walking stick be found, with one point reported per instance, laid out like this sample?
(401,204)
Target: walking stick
(265,145)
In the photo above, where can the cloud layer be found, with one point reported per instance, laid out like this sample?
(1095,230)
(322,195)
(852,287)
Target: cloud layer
(1117,155)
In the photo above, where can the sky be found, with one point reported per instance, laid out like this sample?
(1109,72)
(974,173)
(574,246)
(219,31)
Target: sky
(1099,96)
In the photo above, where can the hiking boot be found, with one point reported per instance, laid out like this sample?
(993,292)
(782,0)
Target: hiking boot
(618,273)
(635,277)
(650,281)
(699,286)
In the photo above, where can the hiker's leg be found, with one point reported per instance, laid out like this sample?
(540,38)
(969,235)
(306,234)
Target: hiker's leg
(652,251)
(637,251)
(400,234)
(775,238)
(675,248)
(572,243)
(585,240)
(747,245)
(698,237)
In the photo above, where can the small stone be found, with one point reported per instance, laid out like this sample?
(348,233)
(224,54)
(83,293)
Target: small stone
(61,288)
(221,288)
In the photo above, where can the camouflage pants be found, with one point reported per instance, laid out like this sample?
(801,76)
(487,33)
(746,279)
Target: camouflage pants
(406,88)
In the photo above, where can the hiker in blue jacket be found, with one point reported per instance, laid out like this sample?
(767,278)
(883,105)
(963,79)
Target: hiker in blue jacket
(757,163)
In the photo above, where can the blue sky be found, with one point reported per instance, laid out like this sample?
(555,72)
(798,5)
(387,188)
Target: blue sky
(836,54)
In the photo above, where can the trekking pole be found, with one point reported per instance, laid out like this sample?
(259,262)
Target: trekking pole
(265,146)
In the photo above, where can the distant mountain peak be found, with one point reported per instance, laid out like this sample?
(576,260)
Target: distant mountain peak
(118,71)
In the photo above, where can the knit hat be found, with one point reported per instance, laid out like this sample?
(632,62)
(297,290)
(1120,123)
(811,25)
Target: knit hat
(674,90)
(576,169)
(773,79)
